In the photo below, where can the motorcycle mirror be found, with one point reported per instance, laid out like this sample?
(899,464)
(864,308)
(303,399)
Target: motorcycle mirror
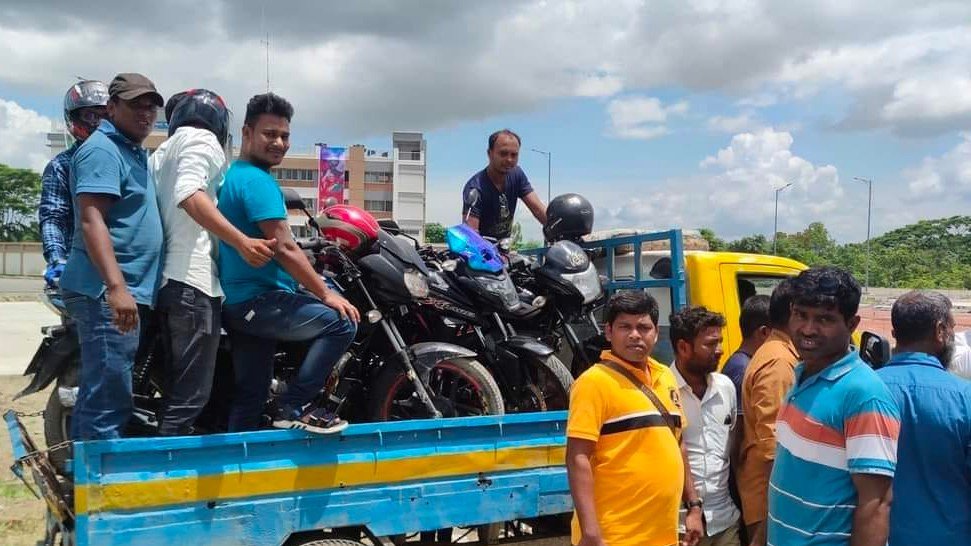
(293,200)
(874,350)
(471,201)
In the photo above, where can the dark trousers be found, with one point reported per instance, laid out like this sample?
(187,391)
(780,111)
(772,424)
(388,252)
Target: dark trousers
(189,322)
(104,403)
(256,325)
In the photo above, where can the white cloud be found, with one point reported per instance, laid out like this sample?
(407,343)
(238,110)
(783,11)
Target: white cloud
(641,117)
(363,68)
(733,124)
(734,192)
(23,137)
(947,175)
(930,98)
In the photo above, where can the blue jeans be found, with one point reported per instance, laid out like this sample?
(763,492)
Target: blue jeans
(256,325)
(104,403)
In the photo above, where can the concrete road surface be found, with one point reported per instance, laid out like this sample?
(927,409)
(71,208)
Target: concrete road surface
(20,324)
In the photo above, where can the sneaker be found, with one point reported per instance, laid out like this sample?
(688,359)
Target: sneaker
(315,420)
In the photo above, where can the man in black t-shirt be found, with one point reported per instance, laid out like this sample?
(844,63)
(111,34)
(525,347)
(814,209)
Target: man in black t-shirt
(490,196)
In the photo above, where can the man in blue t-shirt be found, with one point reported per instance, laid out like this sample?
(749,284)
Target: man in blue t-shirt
(490,196)
(932,485)
(263,304)
(113,269)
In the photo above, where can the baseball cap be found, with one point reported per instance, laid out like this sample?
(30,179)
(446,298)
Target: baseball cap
(130,86)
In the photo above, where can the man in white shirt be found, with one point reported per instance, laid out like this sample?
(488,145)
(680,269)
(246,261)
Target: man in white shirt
(710,406)
(187,170)
(960,364)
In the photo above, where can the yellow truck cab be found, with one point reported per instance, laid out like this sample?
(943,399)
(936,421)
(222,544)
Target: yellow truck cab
(717,280)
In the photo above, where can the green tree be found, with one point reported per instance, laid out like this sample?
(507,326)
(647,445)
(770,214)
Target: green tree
(714,243)
(434,233)
(19,201)
(754,244)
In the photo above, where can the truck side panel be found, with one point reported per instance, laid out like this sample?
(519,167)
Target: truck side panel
(258,488)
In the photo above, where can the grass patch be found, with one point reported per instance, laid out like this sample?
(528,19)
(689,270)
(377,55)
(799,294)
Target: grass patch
(15,490)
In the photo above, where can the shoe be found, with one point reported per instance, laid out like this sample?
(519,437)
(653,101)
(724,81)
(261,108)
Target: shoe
(315,420)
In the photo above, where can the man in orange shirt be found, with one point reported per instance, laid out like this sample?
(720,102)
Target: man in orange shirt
(628,472)
(769,376)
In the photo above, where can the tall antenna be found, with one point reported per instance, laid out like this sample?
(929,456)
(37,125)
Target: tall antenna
(266,43)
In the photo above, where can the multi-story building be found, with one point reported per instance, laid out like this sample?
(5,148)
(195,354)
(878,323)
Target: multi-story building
(388,184)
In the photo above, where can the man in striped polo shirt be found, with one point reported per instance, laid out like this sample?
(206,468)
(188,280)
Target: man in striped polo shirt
(837,429)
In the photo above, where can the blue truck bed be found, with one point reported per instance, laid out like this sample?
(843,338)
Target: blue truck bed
(262,487)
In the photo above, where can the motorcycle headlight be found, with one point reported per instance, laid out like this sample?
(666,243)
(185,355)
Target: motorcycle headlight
(587,283)
(416,284)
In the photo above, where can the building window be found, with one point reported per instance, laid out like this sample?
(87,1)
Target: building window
(310,203)
(371,177)
(415,195)
(377,206)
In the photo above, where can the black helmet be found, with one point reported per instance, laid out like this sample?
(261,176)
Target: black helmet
(200,108)
(568,216)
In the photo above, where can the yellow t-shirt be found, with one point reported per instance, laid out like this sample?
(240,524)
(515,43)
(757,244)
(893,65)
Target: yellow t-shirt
(638,472)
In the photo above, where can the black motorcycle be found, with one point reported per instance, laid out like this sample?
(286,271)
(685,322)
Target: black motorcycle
(473,306)
(384,376)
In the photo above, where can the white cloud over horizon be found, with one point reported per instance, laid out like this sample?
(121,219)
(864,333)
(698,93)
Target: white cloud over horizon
(23,142)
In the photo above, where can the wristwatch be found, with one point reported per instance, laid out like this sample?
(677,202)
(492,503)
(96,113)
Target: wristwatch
(694,503)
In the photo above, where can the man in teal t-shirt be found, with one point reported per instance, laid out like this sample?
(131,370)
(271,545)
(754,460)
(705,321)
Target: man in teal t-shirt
(264,305)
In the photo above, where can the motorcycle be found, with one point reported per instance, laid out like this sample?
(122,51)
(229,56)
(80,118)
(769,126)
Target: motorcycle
(472,301)
(573,291)
(383,376)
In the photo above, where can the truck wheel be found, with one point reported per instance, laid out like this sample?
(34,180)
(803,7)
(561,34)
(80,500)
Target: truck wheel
(459,387)
(57,421)
(331,542)
(549,386)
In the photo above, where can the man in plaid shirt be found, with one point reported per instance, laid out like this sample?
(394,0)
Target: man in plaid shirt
(85,105)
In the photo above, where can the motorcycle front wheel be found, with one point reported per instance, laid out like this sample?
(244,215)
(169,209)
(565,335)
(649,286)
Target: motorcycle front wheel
(548,388)
(459,387)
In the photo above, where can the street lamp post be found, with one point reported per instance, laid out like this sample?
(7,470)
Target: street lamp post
(869,207)
(549,173)
(775,229)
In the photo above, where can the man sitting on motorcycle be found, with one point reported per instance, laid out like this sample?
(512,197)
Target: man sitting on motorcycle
(263,305)
(85,105)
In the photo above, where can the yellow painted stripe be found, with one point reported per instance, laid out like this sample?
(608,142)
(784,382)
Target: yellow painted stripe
(226,486)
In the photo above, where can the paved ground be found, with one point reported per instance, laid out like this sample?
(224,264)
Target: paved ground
(20,324)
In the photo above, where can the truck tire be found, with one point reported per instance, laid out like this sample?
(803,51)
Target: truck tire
(331,542)
(549,387)
(459,387)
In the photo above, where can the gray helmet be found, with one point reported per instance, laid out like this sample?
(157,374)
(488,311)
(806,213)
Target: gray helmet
(83,94)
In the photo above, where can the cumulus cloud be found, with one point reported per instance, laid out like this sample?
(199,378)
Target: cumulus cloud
(22,137)
(948,174)
(641,117)
(363,68)
(734,191)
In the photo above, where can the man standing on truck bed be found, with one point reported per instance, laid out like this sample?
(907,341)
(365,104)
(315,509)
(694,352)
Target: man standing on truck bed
(112,272)
(932,484)
(708,401)
(627,472)
(837,428)
(490,196)
(768,378)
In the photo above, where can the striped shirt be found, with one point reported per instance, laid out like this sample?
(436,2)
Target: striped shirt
(838,422)
(56,212)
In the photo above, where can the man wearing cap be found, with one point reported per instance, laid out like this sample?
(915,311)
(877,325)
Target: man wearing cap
(113,269)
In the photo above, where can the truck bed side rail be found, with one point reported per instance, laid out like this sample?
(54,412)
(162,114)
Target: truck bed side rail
(260,487)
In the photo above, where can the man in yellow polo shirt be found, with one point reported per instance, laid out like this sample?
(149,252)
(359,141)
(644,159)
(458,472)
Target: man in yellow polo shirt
(628,472)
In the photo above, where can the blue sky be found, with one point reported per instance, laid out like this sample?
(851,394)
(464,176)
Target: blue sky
(663,113)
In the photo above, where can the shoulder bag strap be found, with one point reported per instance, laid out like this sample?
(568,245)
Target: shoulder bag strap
(665,414)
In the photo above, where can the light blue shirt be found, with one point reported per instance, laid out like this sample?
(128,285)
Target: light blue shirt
(250,195)
(108,163)
(932,486)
